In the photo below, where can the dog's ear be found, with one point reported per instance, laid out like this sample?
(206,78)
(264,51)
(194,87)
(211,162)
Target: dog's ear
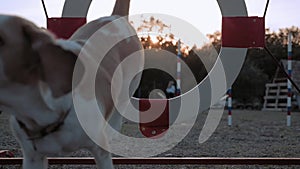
(56,64)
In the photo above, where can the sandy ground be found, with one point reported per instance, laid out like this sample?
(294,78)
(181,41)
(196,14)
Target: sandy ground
(253,134)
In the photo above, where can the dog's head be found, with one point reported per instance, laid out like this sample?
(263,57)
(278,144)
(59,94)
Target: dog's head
(30,55)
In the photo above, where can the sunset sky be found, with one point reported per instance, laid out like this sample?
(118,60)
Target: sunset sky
(203,14)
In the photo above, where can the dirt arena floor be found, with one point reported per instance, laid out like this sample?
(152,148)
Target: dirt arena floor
(253,134)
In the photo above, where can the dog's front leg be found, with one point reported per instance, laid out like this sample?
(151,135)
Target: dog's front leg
(32,159)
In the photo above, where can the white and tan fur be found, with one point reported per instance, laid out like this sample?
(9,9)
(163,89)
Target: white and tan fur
(36,83)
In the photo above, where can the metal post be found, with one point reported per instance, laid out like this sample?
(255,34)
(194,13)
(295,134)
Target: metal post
(229,106)
(289,85)
(178,80)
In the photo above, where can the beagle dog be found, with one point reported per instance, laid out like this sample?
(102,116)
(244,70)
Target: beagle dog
(36,73)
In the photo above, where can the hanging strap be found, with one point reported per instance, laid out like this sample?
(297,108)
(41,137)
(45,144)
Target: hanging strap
(266,8)
(45,9)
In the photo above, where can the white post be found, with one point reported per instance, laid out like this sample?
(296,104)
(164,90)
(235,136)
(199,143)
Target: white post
(178,80)
(289,98)
(229,106)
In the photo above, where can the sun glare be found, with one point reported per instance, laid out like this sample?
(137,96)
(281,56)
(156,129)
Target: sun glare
(154,39)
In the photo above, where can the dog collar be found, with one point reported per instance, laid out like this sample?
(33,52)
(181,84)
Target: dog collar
(46,130)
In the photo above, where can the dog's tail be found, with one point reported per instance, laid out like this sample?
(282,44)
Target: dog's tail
(121,8)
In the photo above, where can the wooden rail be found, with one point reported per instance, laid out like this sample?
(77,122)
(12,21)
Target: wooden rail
(166,161)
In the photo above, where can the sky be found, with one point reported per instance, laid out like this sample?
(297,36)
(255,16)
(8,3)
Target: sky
(205,15)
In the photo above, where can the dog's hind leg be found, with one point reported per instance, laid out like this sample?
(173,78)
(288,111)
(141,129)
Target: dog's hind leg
(102,158)
(121,8)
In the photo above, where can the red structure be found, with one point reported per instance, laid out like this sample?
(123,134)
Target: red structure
(243,32)
(64,27)
(160,124)
(167,161)
(6,153)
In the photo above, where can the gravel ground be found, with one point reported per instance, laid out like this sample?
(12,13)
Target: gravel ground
(253,134)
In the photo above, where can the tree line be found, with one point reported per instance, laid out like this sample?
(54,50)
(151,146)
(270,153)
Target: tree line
(257,70)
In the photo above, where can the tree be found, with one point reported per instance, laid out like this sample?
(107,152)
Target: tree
(194,57)
(259,68)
